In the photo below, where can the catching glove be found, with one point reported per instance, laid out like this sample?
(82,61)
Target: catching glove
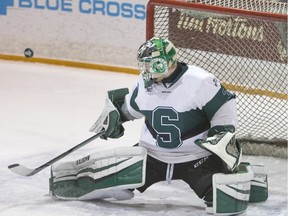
(225,146)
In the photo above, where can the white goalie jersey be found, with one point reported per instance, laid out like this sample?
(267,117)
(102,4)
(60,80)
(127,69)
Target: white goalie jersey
(179,111)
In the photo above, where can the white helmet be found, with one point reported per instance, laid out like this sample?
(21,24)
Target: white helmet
(155,57)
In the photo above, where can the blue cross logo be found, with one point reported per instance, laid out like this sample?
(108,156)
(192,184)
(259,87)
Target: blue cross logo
(4,4)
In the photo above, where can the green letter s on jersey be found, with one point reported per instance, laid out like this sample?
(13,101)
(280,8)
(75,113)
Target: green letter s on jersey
(164,122)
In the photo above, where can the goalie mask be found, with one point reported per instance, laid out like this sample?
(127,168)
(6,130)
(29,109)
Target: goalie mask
(155,57)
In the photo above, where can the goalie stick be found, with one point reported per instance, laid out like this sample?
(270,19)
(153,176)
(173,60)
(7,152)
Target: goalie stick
(24,171)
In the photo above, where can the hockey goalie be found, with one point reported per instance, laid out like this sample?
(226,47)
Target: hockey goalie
(188,135)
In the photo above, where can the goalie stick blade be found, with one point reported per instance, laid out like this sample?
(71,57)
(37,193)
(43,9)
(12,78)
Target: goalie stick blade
(21,170)
(24,171)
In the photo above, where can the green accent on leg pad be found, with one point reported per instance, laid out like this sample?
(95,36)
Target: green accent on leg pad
(84,185)
(229,204)
(258,194)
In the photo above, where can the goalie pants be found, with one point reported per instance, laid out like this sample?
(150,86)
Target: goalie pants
(197,174)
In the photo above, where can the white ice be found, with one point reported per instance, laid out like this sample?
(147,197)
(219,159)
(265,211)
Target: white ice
(45,110)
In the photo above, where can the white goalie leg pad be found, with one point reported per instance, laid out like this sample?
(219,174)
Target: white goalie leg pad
(105,174)
(259,184)
(231,192)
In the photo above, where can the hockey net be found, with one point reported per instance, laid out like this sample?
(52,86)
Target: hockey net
(244,43)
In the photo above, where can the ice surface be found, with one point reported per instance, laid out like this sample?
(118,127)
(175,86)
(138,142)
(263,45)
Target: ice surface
(45,110)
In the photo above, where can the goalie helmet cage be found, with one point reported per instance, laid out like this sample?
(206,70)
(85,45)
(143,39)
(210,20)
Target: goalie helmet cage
(244,43)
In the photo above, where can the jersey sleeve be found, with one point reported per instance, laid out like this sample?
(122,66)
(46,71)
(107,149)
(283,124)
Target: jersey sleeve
(130,107)
(226,115)
(212,96)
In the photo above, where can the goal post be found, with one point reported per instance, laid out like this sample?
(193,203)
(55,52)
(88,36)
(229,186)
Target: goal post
(244,43)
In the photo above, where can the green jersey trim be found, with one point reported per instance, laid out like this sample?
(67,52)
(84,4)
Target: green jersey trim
(180,70)
(133,103)
(217,101)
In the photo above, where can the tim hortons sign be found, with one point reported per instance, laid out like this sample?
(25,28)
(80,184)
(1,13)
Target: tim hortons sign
(250,38)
